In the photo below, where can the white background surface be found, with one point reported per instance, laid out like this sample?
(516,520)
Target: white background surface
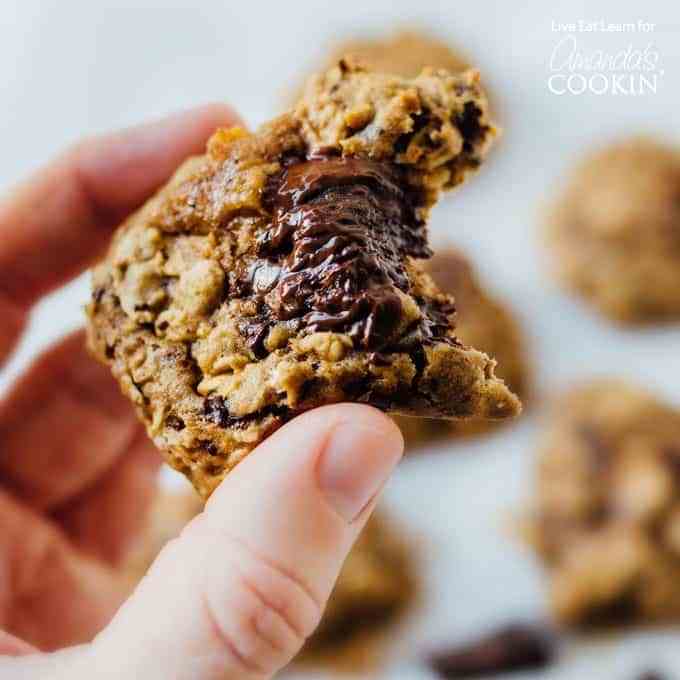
(74,68)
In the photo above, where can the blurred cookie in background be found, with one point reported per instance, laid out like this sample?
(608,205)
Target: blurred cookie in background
(606,520)
(402,52)
(481,318)
(484,322)
(376,587)
(614,231)
(405,53)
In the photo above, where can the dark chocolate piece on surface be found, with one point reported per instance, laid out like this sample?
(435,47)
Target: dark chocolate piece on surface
(514,647)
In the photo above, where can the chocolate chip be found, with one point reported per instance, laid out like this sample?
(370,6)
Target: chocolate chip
(418,123)
(470,127)
(355,388)
(310,388)
(216,411)
(651,675)
(379,359)
(174,422)
(210,447)
(255,333)
(515,647)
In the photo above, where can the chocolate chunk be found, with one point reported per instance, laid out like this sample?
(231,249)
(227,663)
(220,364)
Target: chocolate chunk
(215,410)
(174,422)
(210,447)
(470,126)
(515,647)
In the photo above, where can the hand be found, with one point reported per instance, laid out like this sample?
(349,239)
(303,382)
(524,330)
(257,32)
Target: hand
(236,595)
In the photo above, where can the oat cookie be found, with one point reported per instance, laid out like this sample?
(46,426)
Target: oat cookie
(614,232)
(482,321)
(281,271)
(607,522)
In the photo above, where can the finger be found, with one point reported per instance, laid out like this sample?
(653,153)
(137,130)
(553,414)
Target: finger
(14,319)
(63,426)
(236,595)
(107,517)
(57,221)
(53,224)
(50,595)
(10,645)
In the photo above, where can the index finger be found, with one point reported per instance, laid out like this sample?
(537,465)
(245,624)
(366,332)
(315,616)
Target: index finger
(56,222)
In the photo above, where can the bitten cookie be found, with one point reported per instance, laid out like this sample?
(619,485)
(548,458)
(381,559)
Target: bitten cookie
(482,321)
(281,271)
(614,233)
(607,518)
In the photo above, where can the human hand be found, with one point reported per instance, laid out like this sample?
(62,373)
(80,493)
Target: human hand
(247,581)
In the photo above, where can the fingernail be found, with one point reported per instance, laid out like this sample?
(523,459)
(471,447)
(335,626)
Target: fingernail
(355,465)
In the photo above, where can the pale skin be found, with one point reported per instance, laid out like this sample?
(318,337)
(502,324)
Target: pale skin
(237,594)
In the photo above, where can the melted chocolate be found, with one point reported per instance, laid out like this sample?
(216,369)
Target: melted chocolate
(333,258)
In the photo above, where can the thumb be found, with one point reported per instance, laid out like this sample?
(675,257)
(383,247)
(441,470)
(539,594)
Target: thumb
(237,594)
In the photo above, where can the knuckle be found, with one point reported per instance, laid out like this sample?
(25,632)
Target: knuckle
(281,589)
(288,597)
(269,612)
(236,648)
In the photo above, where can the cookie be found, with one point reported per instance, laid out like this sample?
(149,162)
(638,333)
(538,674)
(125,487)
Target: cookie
(404,53)
(613,235)
(282,271)
(607,517)
(376,587)
(482,321)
